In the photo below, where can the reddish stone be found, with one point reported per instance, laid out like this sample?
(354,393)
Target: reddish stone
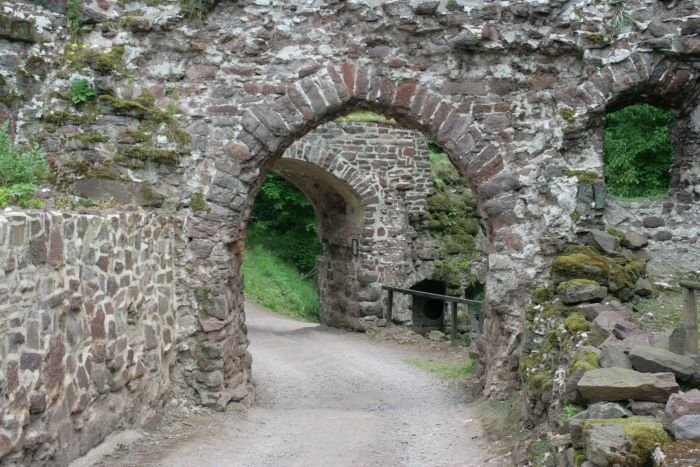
(443,110)
(680,77)
(339,84)
(488,171)
(211,325)
(361,83)
(387,90)
(540,81)
(103,263)
(238,151)
(251,88)
(348,72)
(55,369)
(429,106)
(226,110)
(237,247)
(381,232)
(97,325)
(404,94)
(297,98)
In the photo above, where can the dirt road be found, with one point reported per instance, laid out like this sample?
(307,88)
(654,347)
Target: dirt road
(326,398)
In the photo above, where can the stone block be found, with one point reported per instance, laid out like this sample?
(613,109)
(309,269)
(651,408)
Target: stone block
(680,404)
(615,384)
(655,360)
(686,427)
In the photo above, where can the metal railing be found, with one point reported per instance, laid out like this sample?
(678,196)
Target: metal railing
(690,316)
(454,301)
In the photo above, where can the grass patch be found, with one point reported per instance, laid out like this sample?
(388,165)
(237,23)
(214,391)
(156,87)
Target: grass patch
(662,312)
(276,285)
(366,116)
(445,370)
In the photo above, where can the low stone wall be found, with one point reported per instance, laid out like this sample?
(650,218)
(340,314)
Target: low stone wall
(87,325)
(671,225)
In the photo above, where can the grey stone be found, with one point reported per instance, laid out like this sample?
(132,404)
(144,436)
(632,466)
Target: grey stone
(612,357)
(634,241)
(652,359)
(615,384)
(601,410)
(604,241)
(652,222)
(645,408)
(663,236)
(603,442)
(643,287)
(672,340)
(574,293)
(686,427)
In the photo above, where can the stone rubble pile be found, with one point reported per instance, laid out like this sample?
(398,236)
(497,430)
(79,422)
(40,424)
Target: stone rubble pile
(641,393)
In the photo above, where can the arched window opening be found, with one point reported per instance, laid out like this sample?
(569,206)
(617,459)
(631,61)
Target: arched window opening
(637,151)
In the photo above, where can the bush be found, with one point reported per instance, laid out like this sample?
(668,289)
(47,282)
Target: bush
(81,91)
(21,171)
(284,221)
(637,151)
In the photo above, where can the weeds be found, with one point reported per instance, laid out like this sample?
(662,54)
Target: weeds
(81,91)
(447,371)
(21,171)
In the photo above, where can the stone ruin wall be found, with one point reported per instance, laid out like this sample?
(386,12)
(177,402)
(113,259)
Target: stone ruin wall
(87,328)
(516,92)
(388,168)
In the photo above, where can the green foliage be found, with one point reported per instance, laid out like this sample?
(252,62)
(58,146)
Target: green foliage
(272,283)
(21,170)
(81,91)
(194,10)
(284,221)
(637,151)
(73,17)
(569,411)
(445,370)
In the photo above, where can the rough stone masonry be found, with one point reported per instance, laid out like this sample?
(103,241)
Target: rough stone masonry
(197,100)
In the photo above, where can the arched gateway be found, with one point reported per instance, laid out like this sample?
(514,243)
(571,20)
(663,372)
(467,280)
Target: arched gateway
(196,101)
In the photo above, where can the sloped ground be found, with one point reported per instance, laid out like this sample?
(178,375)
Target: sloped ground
(325,397)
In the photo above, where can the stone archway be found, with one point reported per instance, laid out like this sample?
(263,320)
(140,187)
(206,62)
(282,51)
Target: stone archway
(270,127)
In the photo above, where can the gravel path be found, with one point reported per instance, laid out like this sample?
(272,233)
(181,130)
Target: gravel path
(327,398)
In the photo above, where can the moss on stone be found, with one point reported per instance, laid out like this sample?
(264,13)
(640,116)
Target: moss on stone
(583,176)
(644,436)
(198,203)
(582,266)
(142,108)
(575,216)
(80,56)
(541,295)
(616,233)
(580,250)
(568,115)
(576,322)
(61,118)
(92,137)
(579,457)
(149,153)
(636,268)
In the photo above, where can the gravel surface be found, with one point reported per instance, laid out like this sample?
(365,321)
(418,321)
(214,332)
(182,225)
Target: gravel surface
(325,397)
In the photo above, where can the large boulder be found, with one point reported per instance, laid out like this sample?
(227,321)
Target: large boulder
(617,384)
(686,427)
(578,291)
(603,442)
(655,360)
(683,403)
